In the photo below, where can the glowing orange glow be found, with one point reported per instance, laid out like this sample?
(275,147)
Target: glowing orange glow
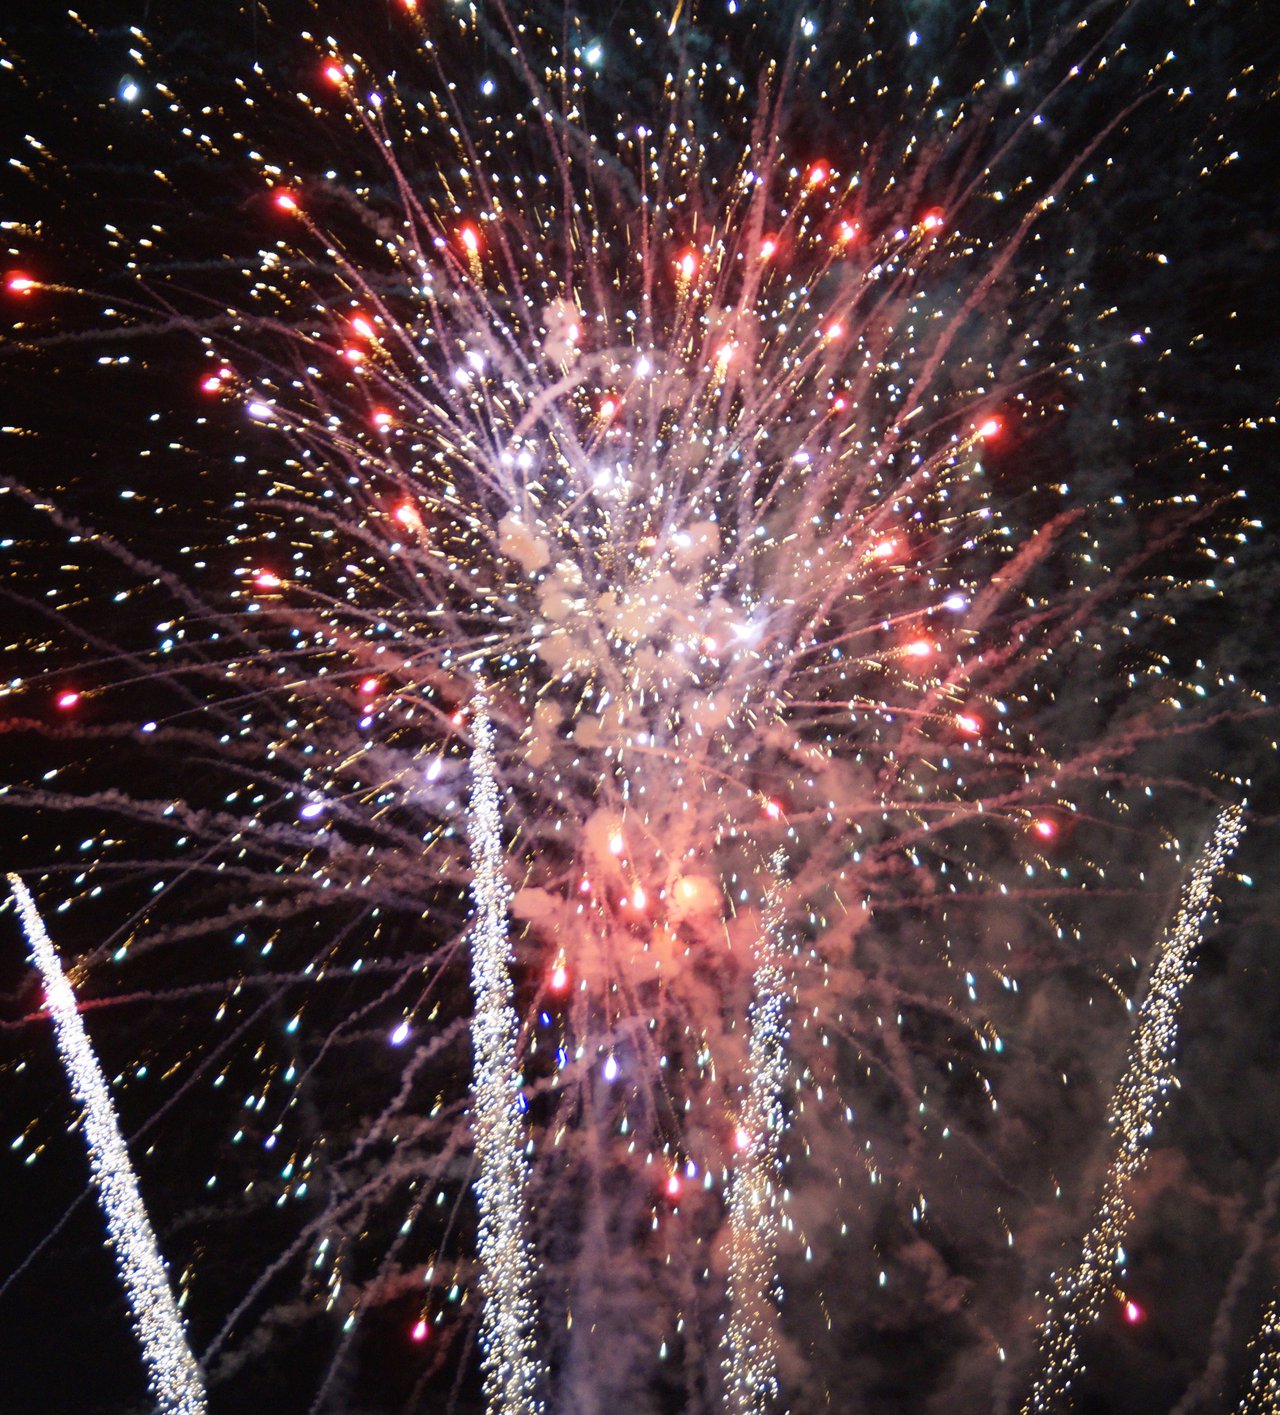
(382,418)
(286,201)
(932,220)
(968,724)
(884,550)
(773,809)
(407,514)
(352,355)
(559,977)
(363,326)
(335,73)
(1045,829)
(919,648)
(687,265)
(470,238)
(673,1186)
(818,174)
(768,248)
(849,231)
(741,1139)
(608,408)
(267,580)
(638,898)
(990,428)
(19,284)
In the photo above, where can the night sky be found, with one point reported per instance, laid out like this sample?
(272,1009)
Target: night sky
(1179,238)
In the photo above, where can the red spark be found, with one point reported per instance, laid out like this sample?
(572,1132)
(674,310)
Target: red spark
(1133,1314)
(408,516)
(559,978)
(267,580)
(369,686)
(991,428)
(382,418)
(67,700)
(286,201)
(19,284)
(335,73)
(673,1186)
(969,724)
(1044,828)
(768,248)
(363,326)
(687,265)
(818,174)
(931,220)
(470,238)
(421,1330)
(773,809)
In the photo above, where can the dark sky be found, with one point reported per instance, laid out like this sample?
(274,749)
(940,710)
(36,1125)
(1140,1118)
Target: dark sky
(1193,259)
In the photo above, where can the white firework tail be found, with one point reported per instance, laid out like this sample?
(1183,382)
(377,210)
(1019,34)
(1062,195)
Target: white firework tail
(171,1369)
(750,1345)
(1078,1293)
(510,1360)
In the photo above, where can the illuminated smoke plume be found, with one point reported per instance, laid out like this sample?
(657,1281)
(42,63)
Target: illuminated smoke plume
(171,1370)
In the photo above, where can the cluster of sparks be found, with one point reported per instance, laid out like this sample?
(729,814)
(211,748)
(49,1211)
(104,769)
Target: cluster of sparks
(1263,1394)
(1080,1291)
(681,436)
(171,1370)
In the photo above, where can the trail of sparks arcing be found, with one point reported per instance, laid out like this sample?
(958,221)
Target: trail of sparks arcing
(1263,1395)
(1078,1293)
(750,1346)
(510,1364)
(171,1369)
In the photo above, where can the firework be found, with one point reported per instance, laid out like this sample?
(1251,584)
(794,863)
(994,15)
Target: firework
(1263,1395)
(753,1200)
(1137,1105)
(719,454)
(171,1370)
(510,1365)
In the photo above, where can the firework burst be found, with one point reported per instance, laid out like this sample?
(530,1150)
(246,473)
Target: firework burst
(693,441)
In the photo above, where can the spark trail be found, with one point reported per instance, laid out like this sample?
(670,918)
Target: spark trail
(511,1371)
(172,1373)
(1139,1100)
(750,1357)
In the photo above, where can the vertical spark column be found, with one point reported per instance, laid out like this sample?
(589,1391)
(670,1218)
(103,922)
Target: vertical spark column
(1078,1293)
(506,1324)
(171,1369)
(750,1344)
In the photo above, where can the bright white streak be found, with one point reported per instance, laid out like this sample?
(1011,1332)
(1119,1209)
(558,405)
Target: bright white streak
(506,1322)
(750,1345)
(1263,1395)
(1139,1100)
(172,1373)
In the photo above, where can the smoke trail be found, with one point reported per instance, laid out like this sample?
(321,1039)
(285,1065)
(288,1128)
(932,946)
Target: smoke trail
(171,1369)
(510,1363)
(750,1345)
(1077,1296)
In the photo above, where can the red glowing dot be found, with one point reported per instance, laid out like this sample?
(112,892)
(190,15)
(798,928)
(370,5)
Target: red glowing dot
(931,220)
(67,700)
(968,724)
(470,238)
(920,648)
(335,73)
(608,408)
(369,686)
(421,1330)
(834,331)
(286,201)
(363,326)
(407,515)
(768,248)
(211,384)
(742,1139)
(1045,829)
(382,418)
(1133,1314)
(267,580)
(839,402)
(990,428)
(673,1186)
(638,898)
(884,550)
(773,809)
(19,284)
(559,978)
(818,174)
(686,265)
(849,231)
